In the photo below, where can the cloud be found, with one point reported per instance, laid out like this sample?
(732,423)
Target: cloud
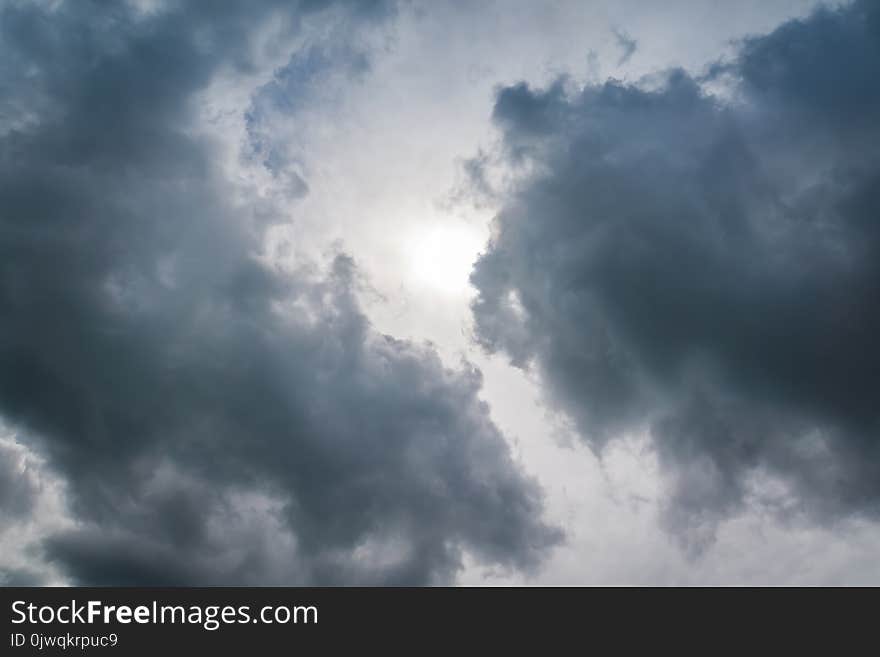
(214,419)
(18,488)
(20,578)
(704,268)
(626,43)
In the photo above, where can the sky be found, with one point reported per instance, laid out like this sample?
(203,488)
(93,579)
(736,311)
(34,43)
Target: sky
(428,293)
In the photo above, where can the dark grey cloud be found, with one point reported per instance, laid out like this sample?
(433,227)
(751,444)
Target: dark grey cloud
(213,420)
(707,267)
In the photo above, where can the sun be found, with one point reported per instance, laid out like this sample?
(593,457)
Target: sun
(442,255)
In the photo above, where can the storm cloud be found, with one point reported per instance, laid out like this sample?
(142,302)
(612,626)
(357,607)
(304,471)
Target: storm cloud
(213,418)
(697,258)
